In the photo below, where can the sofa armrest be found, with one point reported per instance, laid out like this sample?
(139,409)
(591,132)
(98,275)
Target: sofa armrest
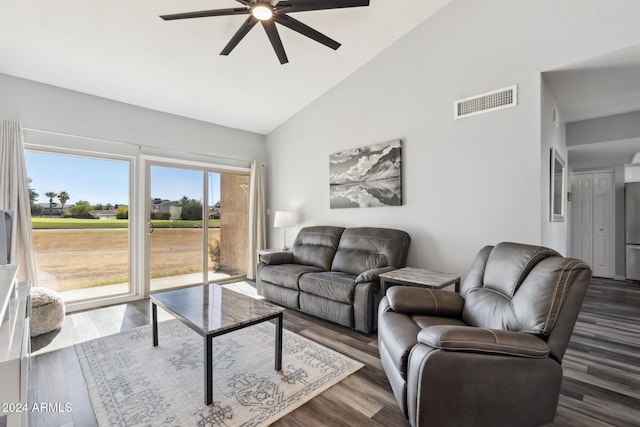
(432,302)
(284,257)
(483,340)
(373,274)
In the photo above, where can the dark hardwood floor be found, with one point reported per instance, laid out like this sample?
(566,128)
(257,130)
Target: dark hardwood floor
(601,385)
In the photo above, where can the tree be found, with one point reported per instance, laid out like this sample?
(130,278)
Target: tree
(122,213)
(33,196)
(51,195)
(81,209)
(191,209)
(63,196)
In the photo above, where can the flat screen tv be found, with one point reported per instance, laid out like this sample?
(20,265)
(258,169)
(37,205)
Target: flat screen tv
(6,227)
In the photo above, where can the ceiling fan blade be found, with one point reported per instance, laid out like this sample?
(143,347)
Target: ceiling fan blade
(304,5)
(274,38)
(239,35)
(207,13)
(306,30)
(245,2)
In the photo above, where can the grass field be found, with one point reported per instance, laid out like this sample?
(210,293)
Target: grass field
(77,223)
(81,258)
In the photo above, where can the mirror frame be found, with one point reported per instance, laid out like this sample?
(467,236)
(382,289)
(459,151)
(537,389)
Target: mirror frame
(558,175)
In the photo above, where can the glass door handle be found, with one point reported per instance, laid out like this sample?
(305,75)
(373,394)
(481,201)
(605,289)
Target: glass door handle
(151,227)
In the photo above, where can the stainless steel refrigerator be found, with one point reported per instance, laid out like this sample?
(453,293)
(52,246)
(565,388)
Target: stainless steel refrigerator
(632,229)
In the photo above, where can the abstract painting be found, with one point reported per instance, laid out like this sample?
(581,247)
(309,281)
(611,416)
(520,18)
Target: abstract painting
(369,176)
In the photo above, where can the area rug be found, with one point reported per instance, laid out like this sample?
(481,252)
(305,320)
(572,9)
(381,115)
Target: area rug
(132,383)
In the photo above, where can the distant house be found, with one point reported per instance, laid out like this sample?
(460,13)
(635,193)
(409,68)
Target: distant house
(163,205)
(56,209)
(109,213)
(104,214)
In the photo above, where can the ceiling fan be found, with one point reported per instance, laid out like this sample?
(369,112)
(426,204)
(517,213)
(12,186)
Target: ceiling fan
(270,12)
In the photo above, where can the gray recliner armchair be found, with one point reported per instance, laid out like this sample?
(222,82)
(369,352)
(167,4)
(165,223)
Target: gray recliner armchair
(490,355)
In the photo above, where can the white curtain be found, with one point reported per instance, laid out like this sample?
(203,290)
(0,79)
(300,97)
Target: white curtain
(14,196)
(257,220)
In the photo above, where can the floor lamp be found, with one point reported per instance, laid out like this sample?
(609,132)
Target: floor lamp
(284,219)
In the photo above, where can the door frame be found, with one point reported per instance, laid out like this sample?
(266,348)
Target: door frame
(146,161)
(64,148)
(612,218)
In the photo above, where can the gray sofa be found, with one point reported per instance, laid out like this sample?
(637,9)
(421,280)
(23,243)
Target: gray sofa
(332,272)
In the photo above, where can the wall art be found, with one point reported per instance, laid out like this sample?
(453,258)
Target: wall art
(364,177)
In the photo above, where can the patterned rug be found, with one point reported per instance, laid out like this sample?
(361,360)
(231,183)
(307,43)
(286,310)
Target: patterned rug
(133,383)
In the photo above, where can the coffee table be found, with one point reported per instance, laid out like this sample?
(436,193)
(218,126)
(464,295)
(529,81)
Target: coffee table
(212,310)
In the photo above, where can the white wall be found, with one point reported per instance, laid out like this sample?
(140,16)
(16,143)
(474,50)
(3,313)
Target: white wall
(618,127)
(44,107)
(467,183)
(553,135)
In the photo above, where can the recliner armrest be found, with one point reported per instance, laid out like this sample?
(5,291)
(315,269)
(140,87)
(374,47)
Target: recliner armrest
(432,302)
(373,274)
(483,340)
(272,258)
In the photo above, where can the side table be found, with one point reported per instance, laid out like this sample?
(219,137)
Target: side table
(410,276)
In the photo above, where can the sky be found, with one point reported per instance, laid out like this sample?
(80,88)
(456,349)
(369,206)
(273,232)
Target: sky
(107,181)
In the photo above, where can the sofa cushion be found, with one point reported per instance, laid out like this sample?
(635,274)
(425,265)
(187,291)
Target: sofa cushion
(399,334)
(334,311)
(316,246)
(510,263)
(483,340)
(286,275)
(419,300)
(367,248)
(424,321)
(280,295)
(521,288)
(334,286)
(277,258)
(372,275)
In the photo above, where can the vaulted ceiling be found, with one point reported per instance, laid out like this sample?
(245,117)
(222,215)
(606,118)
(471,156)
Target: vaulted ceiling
(122,50)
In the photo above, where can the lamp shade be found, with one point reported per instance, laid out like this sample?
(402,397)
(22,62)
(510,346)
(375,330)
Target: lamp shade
(283,219)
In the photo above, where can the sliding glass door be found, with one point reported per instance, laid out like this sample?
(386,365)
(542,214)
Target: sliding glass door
(175,227)
(80,219)
(197,225)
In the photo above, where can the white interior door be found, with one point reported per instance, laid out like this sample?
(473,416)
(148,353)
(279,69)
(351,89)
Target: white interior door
(582,218)
(593,221)
(603,211)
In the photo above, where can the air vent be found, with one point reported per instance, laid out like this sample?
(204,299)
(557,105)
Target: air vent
(490,101)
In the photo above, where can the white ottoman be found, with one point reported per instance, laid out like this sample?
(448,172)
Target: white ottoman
(47,311)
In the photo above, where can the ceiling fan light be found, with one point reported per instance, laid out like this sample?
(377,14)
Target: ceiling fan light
(262,12)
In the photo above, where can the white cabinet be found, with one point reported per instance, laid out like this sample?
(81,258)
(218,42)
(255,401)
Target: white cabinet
(14,346)
(632,173)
